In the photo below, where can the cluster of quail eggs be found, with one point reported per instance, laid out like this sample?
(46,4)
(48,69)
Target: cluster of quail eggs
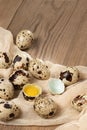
(19,77)
(24,69)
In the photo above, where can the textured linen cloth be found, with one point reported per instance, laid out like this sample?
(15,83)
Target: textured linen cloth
(66,118)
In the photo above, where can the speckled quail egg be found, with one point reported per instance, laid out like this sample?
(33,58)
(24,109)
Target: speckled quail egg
(24,39)
(5,60)
(39,70)
(6,89)
(8,110)
(20,62)
(69,76)
(19,78)
(79,102)
(45,107)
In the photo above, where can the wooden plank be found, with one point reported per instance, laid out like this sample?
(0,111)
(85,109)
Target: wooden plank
(7,10)
(58,26)
(3,127)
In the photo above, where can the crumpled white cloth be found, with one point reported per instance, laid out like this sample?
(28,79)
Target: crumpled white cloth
(67,118)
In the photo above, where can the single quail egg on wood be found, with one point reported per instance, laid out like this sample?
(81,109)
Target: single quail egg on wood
(6,89)
(69,76)
(24,39)
(8,110)
(39,70)
(45,107)
(79,102)
(56,86)
(5,60)
(19,78)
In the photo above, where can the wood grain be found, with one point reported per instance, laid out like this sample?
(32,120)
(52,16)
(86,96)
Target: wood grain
(60,28)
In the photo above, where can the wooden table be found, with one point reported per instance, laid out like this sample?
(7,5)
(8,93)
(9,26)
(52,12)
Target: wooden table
(60,28)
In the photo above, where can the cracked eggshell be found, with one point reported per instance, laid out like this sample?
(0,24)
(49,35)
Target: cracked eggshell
(19,78)
(6,89)
(24,39)
(31,91)
(69,76)
(5,60)
(45,107)
(56,86)
(39,70)
(8,110)
(79,102)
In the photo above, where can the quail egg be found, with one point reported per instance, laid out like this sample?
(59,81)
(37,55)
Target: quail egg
(19,78)
(6,89)
(5,60)
(39,70)
(45,107)
(20,62)
(69,76)
(8,110)
(79,102)
(24,39)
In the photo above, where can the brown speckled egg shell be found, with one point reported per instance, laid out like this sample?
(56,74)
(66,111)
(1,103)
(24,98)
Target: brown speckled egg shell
(79,102)
(20,62)
(69,76)
(24,39)
(8,110)
(45,107)
(5,60)
(39,70)
(6,89)
(19,78)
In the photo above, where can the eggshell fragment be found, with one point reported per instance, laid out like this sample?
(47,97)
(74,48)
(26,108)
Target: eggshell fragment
(56,86)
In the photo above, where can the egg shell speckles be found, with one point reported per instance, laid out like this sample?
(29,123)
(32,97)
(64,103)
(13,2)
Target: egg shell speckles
(5,60)
(69,76)
(45,107)
(79,102)
(19,78)
(8,110)
(6,89)
(39,70)
(24,39)
(20,62)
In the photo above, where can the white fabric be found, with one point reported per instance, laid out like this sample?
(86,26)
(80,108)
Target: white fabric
(67,118)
